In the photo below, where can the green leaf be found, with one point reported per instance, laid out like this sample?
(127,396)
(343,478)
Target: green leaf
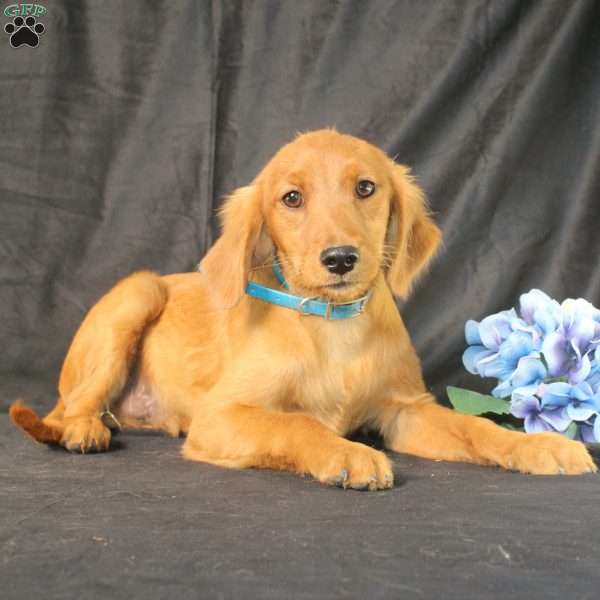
(511,427)
(473,403)
(571,430)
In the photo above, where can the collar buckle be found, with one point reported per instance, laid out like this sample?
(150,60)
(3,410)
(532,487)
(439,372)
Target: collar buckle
(360,304)
(303,302)
(363,303)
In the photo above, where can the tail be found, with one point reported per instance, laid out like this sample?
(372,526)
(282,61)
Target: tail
(46,431)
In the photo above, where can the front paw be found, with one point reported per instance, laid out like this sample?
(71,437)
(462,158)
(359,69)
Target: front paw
(356,466)
(549,454)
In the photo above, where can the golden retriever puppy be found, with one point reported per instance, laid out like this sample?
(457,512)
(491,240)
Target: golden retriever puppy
(288,337)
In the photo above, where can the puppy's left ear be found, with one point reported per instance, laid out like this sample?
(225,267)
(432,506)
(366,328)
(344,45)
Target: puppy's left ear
(411,232)
(244,243)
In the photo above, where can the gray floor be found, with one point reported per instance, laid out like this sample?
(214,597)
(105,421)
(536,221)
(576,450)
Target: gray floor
(139,522)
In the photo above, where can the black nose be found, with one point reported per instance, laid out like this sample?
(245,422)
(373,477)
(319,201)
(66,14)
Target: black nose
(339,259)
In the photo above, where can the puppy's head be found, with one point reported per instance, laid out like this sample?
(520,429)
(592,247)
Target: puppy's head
(335,211)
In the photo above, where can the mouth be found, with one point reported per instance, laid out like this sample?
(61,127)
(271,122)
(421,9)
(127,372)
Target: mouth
(341,290)
(338,285)
(341,283)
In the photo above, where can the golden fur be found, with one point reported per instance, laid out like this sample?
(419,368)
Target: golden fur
(257,385)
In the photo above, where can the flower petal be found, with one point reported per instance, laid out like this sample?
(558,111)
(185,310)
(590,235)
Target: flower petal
(546,321)
(580,411)
(532,330)
(597,428)
(503,389)
(516,345)
(593,379)
(580,370)
(522,407)
(537,308)
(532,301)
(558,418)
(472,357)
(582,391)
(530,369)
(533,424)
(494,329)
(582,333)
(555,350)
(574,308)
(579,324)
(556,394)
(472,333)
(495,366)
(586,433)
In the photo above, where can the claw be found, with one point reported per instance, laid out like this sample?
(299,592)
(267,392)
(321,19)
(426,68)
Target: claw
(362,485)
(340,480)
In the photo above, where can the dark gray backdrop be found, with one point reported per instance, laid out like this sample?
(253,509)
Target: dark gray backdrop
(120,134)
(123,130)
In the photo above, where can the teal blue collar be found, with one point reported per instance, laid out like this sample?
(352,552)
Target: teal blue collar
(331,311)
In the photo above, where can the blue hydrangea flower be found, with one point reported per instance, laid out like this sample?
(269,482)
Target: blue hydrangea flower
(567,350)
(545,358)
(580,401)
(526,405)
(504,347)
(553,406)
(540,312)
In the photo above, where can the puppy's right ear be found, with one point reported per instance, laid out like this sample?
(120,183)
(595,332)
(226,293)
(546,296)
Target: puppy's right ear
(227,264)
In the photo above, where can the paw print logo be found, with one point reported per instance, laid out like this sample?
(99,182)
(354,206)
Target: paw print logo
(24,31)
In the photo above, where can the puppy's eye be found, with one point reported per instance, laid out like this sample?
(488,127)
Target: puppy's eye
(365,188)
(293,199)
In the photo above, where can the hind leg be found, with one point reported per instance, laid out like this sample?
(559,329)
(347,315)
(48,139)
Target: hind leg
(99,360)
(83,427)
(86,434)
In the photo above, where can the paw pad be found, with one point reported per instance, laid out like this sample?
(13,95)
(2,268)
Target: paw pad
(24,31)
